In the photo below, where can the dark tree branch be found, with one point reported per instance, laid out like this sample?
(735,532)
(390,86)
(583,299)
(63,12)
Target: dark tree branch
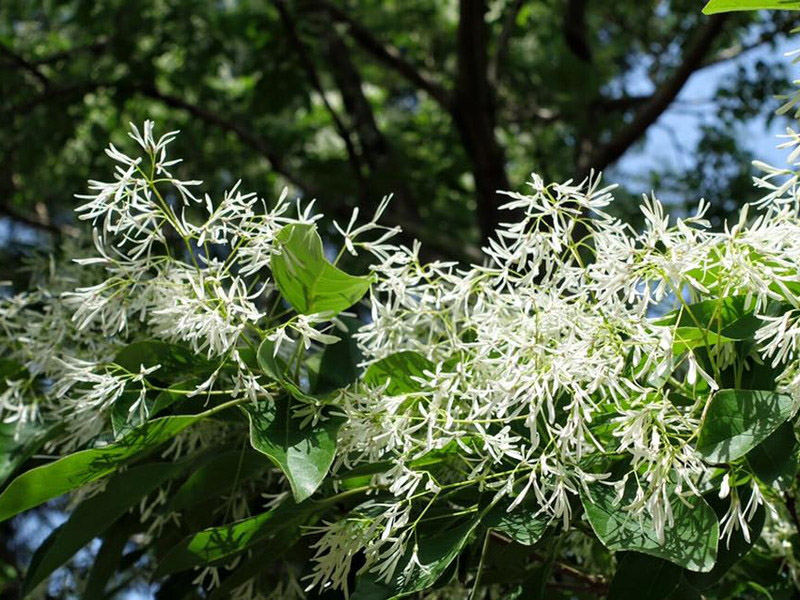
(18,217)
(311,72)
(575,30)
(474,113)
(244,133)
(93,48)
(501,50)
(24,65)
(696,51)
(388,55)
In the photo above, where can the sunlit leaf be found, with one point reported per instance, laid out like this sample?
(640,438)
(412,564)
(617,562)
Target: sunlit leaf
(306,279)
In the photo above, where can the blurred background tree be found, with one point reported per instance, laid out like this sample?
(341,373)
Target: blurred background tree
(439,102)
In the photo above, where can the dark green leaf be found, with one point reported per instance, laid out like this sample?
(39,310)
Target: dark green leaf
(643,577)
(339,365)
(51,480)
(523,524)
(435,553)
(18,444)
(775,459)
(176,361)
(273,367)
(690,542)
(306,279)
(91,518)
(219,543)
(303,454)
(730,550)
(218,476)
(738,420)
(398,371)
(108,557)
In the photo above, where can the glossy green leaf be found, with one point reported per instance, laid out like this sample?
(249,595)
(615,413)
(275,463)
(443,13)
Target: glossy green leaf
(306,279)
(737,420)
(436,551)
(690,542)
(18,444)
(643,577)
(218,476)
(775,459)
(94,515)
(688,338)
(53,479)
(731,317)
(732,549)
(523,525)
(176,361)
(303,454)
(222,542)
(397,372)
(719,6)
(339,365)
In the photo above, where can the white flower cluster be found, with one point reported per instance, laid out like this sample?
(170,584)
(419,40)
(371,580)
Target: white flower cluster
(548,357)
(537,365)
(164,265)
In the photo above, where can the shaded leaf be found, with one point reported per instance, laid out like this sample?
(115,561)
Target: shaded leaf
(643,577)
(775,459)
(218,476)
(303,454)
(738,420)
(436,551)
(523,524)
(219,543)
(94,515)
(53,479)
(690,542)
(732,549)
(398,370)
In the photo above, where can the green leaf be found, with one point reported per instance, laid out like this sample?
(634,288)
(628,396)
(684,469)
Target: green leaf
(18,444)
(436,551)
(738,420)
(93,516)
(523,524)
(339,365)
(719,6)
(53,479)
(690,542)
(306,279)
(688,338)
(273,367)
(731,317)
(733,549)
(108,557)
(775,459)
(218,476)
(218,543)
(643,577)
(176,361)
(303,454)
(398,370)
